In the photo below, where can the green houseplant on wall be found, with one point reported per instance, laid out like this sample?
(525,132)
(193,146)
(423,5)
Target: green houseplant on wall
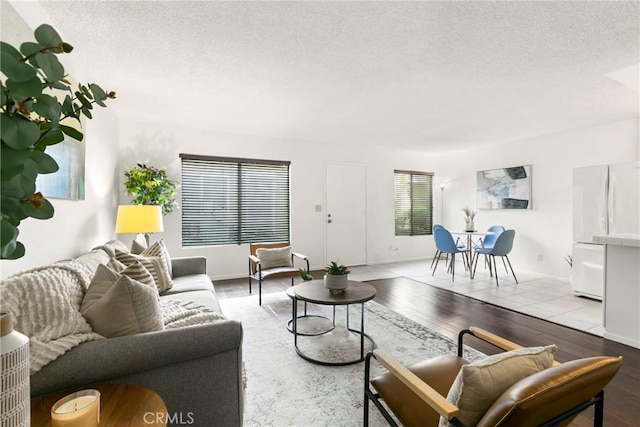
(151,186)
(39,107)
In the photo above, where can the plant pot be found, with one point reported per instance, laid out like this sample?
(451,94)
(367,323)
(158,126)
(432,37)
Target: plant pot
(469,226)
(336,283)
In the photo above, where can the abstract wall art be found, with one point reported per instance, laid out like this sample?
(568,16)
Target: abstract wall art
(505,188)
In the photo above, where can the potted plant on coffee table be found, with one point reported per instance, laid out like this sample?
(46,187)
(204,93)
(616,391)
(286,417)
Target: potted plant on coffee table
(336,278)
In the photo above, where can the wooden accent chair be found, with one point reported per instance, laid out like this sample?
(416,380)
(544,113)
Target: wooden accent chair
(552,396)
(269,260)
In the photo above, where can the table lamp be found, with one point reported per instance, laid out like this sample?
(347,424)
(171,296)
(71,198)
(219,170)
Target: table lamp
(139,219)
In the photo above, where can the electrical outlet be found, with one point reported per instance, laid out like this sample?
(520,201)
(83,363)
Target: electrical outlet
(318,208)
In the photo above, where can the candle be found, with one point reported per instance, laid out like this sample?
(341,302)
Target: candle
(80,409)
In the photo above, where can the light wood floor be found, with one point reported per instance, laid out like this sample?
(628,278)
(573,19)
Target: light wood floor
(446,312)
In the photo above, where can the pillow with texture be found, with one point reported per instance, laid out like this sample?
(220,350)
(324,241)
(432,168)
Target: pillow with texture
(480,383)
(153,264)
(115,265)
(276,257)
(137,247)
(116,305)
(160,250)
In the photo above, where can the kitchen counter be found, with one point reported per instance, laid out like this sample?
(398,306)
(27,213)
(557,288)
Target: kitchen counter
(622,288)
(618,239)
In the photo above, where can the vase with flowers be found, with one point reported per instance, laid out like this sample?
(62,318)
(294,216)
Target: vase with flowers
(469,215)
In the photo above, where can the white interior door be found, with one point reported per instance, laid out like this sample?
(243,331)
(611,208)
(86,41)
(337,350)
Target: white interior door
(346,213)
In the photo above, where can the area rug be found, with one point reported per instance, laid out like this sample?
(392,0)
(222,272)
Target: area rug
(285,390)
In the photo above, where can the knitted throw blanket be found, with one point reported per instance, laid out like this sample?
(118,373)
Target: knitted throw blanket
(45,305)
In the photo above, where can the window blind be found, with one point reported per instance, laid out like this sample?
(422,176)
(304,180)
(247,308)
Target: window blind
(413,203)
(234,201)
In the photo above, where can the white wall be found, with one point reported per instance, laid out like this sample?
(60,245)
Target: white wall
(546,229)
(160,147)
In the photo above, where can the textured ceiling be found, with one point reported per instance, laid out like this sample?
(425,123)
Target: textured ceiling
(420,75)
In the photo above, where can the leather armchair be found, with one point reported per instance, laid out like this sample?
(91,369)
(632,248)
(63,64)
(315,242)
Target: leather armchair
(415,395)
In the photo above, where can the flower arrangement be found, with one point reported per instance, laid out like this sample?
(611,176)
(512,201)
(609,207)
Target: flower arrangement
(469,215)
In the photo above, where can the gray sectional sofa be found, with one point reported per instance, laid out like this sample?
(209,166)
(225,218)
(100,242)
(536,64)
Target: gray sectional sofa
(197,370)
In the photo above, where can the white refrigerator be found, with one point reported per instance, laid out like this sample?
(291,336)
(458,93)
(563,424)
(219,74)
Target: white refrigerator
(606,200)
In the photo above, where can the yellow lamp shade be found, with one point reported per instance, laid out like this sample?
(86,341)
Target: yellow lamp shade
(139,219)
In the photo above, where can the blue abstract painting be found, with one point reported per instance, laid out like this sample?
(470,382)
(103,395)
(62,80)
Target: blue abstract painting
(506,188)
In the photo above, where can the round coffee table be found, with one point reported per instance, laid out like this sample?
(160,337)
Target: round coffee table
(315,292)
(120,405)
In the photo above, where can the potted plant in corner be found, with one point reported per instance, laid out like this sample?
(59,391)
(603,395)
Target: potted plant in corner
(150,186)
(336,278)
(39,107)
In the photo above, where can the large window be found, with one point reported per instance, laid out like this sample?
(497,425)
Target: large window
(233,201)
(413,203)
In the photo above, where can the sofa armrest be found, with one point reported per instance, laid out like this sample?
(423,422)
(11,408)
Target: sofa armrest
(183,266)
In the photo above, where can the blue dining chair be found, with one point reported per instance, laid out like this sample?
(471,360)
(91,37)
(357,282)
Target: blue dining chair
(488,241)
(459,244)
(502,247)
(446,245)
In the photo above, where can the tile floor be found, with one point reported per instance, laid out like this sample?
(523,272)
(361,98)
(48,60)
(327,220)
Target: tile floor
(540,296)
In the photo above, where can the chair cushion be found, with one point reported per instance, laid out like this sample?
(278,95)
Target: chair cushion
(542,396)
(274,257)
(438,372)
(480,383)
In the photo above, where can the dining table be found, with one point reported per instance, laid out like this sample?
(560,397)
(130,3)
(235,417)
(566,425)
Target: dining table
(470,235)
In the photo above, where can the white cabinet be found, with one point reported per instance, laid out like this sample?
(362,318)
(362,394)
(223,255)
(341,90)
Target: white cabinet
(588,270)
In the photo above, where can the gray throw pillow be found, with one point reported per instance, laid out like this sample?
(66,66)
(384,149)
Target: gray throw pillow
(116,305)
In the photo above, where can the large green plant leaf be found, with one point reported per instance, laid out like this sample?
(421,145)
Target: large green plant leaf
(16,70)
(17,132)
(10,50)
(98,94)
(47,36)
(50,65)
(25,89)
(8,232)
(13,250)
(72,132)
(47,106)
(45,163)
(42,209)
(11,161)
(51,137)
(29,50)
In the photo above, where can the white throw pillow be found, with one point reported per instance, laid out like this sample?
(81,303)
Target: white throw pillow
(480,383)
(276,257)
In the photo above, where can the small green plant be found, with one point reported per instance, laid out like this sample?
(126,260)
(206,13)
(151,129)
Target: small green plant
(150,186)
(336,269)
(304,275)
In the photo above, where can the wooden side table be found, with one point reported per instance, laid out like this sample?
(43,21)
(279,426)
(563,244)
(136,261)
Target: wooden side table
(120,405)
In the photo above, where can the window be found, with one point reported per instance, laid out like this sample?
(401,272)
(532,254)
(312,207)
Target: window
(413,203)
(233,201)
